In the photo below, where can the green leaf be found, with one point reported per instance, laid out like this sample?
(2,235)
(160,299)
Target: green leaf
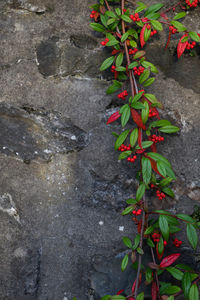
(164,227)
(174,229)
(184,267)
(153,8)
(194,292)
(157,25)
(144,76)
(150,243)
(148,275)
(145,144)
(125,116)
(114,87)
(124,37)
(179,26)
(127,210)
(124,262)
(113,42)
(140,192)
(149,230)
(149,82)
(192,235)
(147,34)
(185,218)
(186,284)
(147,64)
(136,241)
(175,273)
(110,14)
(165,181)
(133,64)
(194,36)
(140,296)
(121,69)
(179,15)
(145,112)
(157,156)
(126,19)
(117,297)
(160,246)
(134,137)
(169,192)
(111,21)
(118,11)
(141,7)
(146,170)
(131,201)
(133,43)
(138,105)
(97,27)
(107,63)
(161,168)
(170,298)
(124,155)
(171,290)
(139,54)
(104,20)
(160,123)
(137,96)
(121,139)
(119,59)
(140,251)
(127,242)
(169,129)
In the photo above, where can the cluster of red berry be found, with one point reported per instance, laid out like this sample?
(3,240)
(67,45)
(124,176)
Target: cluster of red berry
(177,243)
(132,159)
(105,42)
(153,32)
(154,138)
(123,95)
(138,71)
(135,17)
(173,29)
(156,238)
(160,195)
(193,4)
(137,212)
(123,148)
(133,51)
(190,46)
(92,15)
(152,113)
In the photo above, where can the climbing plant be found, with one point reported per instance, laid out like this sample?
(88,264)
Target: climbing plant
(127,26)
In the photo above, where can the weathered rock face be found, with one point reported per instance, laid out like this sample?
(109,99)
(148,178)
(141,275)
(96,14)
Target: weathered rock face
(61,186)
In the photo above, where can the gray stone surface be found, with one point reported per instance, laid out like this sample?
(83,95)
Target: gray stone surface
(61,187)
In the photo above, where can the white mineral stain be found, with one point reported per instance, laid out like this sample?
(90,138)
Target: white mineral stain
(121,228)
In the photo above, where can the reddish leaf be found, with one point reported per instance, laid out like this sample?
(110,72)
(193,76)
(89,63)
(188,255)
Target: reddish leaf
(139,226)
(120,292)
(164,16)
(134,284)
(181,46)
(154,290)
(153,146)
(170,259)
(118,35)
(140,138)
(153,109)
(116,74)
(113,117)
(137,119)
(142,42)
(102,9)
(96,16)
(169,38)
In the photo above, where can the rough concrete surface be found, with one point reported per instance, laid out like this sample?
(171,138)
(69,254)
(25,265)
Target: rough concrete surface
(61,187)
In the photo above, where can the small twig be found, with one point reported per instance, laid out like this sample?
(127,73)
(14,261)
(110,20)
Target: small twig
(156,275)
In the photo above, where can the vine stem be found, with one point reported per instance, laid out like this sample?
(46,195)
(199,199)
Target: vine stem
(156,275)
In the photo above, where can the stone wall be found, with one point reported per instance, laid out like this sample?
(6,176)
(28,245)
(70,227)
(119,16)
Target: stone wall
(61,187)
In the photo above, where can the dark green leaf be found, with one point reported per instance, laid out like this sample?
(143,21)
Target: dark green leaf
(147,64)
(169,192)
(145,112)
(127,210)
(131,201)
(186,284)
(144,76)
(157,156)
(174,229)
(153,8)
(145,144)
(149,230)
(119,59)
(121,69)
(125,116)
(160,246)
(150,243)
(107,63)
(164,227)
(111,14)
(148,275)
(121,139)
(133,64)
(126,18)
(175,273)
(184,267)
(146,170)
(118,11)
(194,292)
(140,251)
(161,168)
(104,20)
(165,181)
(124,37)
(161,123)
(141,7)
(140,192)
(136,241)
(192,235)
(149,82)
(97,27)
(114,87)
(138,105)
(137,96)
(134,137)
(185,218)
(127,242)
(109,22)
(140,296)
(171,290)
(139,54)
